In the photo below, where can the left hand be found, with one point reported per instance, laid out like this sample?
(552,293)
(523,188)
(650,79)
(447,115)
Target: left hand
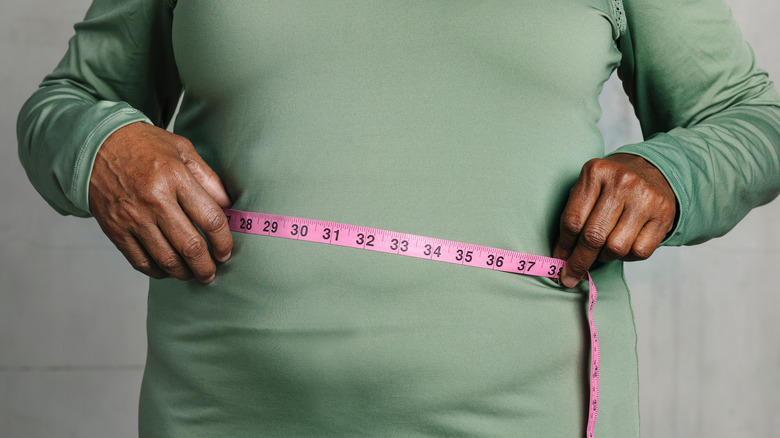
(621,207)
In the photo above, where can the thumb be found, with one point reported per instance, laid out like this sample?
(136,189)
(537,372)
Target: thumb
(206,177)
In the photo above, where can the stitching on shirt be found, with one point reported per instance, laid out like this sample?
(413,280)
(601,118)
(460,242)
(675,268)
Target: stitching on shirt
(620,15)
(83,148)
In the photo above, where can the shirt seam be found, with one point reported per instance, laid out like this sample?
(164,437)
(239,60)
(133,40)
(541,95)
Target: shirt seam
(620,16)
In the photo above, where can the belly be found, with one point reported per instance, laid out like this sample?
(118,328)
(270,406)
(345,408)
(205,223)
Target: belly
(369,340)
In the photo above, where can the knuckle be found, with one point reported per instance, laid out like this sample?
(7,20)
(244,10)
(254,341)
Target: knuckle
(193,165)
(156,188)
(594,237)
(171,172)
(143,265)
(571,224)
(186,152)
(592,165)
(597,167)
(193,248)
(626,179)
(169,262)
(650,193)
(642,251)
(214,221)
(667,208)
(617,248)
(182,144)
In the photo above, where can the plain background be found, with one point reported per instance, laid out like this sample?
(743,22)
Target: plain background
(72,336)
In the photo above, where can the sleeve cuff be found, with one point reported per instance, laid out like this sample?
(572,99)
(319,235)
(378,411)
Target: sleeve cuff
(115,115)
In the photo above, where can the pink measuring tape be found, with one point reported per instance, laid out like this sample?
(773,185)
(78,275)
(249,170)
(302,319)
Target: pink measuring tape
(422,247)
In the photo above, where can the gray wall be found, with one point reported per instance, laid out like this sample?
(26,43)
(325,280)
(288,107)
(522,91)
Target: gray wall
(72,312)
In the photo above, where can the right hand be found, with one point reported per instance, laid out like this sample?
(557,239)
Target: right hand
(148,187)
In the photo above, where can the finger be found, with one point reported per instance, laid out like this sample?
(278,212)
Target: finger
(139,258)
(163,254)
(621,239)
(205,176)
(642,227)
(188,244)
(648,240)
(210,218)
(582,199)
(602,220)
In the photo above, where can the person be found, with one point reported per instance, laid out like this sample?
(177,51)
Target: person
(467,121)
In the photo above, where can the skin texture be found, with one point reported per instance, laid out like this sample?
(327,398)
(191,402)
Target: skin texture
(621,207)
(149,186)
(147,189)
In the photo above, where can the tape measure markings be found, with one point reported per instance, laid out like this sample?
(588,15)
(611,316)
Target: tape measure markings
(411,245)
(392,242)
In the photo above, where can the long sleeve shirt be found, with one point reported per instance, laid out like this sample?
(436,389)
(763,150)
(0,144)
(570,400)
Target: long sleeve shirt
(462,120)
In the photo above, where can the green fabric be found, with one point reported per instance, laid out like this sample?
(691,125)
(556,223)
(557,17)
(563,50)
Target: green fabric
(709,113)
(460,120)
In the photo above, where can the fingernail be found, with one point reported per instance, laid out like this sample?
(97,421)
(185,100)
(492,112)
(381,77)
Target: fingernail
(226,258)
(213,276)
(569,281)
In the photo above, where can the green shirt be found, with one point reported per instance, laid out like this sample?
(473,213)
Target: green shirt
(460,120)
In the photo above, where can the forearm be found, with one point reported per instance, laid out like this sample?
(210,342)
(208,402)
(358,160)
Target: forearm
(119,69)
(60,129)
